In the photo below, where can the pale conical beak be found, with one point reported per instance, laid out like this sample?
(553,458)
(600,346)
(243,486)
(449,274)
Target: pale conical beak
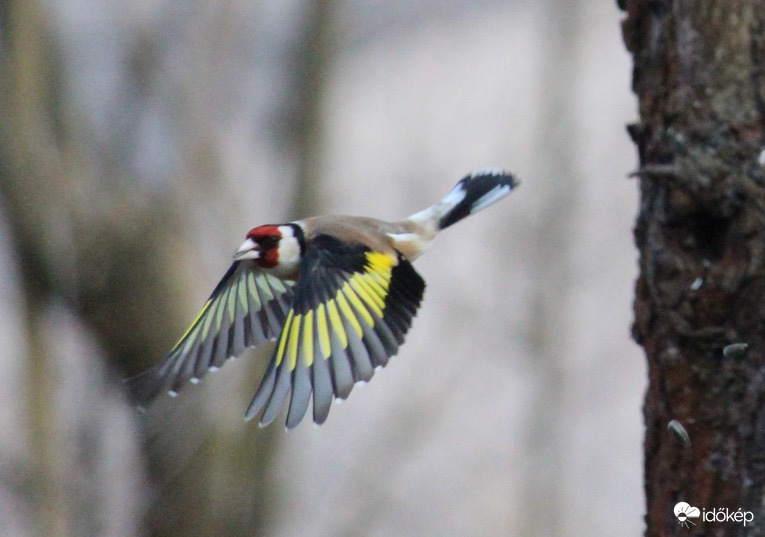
(248,250)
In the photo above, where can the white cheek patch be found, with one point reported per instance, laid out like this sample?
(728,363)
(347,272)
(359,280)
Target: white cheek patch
(289,248)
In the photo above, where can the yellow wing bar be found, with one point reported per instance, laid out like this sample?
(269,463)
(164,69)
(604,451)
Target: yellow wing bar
(360,299)
(348,318)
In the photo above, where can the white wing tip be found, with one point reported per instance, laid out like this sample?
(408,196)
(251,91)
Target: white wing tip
(490,171)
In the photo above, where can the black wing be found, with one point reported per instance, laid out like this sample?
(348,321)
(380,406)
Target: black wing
(351,310)
(248,307)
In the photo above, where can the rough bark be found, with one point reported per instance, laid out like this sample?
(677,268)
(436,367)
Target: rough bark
(698,69)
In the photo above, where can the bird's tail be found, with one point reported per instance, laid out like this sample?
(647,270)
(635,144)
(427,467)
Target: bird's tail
(473,193)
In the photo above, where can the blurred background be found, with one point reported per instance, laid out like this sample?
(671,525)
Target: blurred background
(140,140)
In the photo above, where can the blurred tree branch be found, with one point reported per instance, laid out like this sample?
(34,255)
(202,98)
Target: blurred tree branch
(304,119)
(90,237)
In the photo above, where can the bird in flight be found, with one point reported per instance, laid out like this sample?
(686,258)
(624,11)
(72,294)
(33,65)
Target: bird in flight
(337,293)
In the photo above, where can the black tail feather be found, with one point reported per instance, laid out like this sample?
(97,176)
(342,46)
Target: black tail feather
(476,192)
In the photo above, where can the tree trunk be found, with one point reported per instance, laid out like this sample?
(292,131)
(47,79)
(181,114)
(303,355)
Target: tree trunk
(698,70)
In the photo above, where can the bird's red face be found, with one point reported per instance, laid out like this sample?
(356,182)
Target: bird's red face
(275,248)
(266,241)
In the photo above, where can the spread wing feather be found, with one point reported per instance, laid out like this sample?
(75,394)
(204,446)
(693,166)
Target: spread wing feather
(351,310)
(247,308)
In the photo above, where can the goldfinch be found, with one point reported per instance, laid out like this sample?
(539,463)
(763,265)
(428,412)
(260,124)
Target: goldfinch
(337,293)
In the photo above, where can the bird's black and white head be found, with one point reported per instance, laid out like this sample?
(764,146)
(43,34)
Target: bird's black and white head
(275,248)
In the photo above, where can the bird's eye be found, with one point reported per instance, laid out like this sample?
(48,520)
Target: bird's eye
(270,240)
